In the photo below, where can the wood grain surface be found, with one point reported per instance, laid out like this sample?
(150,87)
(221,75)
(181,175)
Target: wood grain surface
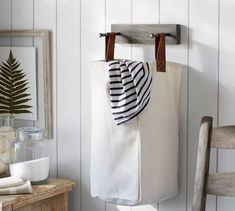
(140,33)
(221,184)
(223,137)
(52,195)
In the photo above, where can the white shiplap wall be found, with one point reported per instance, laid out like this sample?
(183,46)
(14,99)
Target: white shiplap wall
(207,86)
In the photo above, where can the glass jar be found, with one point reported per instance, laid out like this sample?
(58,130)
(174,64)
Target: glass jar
(29,155)
(7,134)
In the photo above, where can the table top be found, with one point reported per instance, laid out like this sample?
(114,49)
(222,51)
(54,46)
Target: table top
(53,187)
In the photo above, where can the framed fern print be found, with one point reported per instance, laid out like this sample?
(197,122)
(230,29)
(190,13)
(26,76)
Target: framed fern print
(31,96)
(18,91)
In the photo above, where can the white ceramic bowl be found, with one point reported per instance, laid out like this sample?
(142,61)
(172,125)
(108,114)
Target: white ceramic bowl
(34,170)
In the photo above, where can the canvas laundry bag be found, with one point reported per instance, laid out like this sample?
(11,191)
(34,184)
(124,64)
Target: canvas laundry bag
(136,162)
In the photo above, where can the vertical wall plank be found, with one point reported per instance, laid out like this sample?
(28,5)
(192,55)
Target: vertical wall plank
(68,87)
(118,12)
(203,73)
(5,14)
(5,20)
(45,18)
(22,18)
(144,13)
(177,12)
(226,89)
(22,14)
(92,48)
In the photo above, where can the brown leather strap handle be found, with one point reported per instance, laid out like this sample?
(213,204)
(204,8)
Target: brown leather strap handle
(157,40)
(106,45)
(109,46)
(160,52)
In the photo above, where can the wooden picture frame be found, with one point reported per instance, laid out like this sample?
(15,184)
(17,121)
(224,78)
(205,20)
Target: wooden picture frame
(47,83)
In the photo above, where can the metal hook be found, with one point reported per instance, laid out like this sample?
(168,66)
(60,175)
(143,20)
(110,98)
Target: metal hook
(154,35)
(106,34)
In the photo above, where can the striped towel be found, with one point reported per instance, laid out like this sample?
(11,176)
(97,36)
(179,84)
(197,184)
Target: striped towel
(130,85)
(14,185)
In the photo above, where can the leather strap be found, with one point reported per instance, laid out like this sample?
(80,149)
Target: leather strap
(106,45)
(160,52)
(109,46)
(157,39)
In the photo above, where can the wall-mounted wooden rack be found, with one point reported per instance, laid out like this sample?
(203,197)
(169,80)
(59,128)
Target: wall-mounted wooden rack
(144,33)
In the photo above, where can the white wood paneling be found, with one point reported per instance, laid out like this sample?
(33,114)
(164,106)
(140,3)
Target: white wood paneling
(226,89)
(92,48)
(5,20)
(22,18)
(144,13)
(203,80)
(119,12)
(22,14)
(68,85)
(5,14)
(177,12)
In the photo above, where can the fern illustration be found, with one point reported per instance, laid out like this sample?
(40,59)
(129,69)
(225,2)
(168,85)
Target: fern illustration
(13,88)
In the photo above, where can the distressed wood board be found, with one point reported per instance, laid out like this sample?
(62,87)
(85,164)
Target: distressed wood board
(140,33)
(221,184)
(52,188)
(223,137)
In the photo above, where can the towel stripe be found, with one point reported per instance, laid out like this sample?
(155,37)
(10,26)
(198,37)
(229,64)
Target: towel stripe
(130,86)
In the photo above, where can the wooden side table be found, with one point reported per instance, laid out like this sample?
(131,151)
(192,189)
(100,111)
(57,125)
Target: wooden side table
(51,196)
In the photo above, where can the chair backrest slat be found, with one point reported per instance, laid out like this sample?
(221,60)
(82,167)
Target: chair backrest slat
(221,184)
(223,137)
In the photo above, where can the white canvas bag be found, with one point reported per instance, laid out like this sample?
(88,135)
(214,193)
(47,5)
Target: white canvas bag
(136,162)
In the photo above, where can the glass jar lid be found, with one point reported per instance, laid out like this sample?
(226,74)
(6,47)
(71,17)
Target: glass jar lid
(30,133)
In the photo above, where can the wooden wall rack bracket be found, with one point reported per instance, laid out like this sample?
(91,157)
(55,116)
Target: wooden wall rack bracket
(143,33)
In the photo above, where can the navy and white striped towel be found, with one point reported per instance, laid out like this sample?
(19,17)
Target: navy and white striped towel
(130,86)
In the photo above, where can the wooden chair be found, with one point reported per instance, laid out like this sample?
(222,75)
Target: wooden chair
(219,184)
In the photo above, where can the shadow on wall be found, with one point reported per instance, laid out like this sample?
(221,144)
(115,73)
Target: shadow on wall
(203,97)
(148,51)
